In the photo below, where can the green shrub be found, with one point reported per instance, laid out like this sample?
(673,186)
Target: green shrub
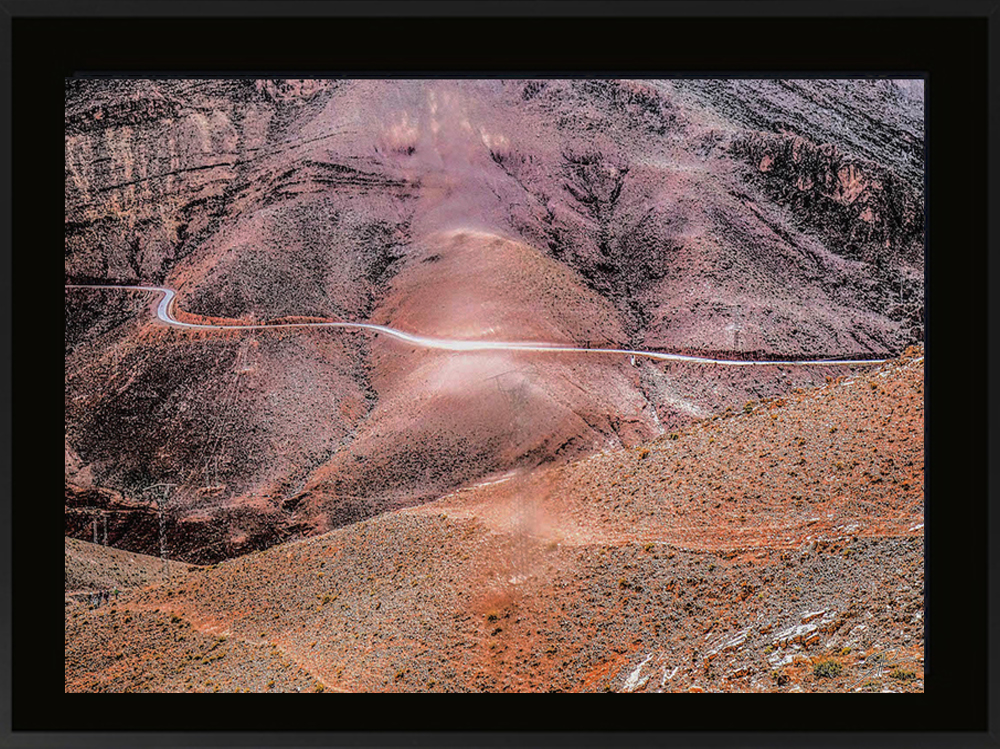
(827,669)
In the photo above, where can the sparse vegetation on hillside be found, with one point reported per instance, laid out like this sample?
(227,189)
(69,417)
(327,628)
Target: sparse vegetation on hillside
(423,502)
(616,573)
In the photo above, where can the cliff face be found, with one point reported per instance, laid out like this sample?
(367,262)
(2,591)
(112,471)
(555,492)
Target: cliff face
(877,120)
(782,218)
(861,211)
(857,206)
(146,172)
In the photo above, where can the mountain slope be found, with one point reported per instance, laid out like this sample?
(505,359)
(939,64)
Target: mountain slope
(776,548)
(744,219)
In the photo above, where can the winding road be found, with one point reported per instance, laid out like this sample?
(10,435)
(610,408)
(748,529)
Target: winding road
(164,314)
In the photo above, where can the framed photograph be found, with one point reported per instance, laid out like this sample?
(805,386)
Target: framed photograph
(441,348)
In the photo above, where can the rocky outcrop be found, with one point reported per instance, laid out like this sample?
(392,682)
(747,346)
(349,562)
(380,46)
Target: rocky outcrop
(879,120)
(152,167)
(861,210)
(292,90)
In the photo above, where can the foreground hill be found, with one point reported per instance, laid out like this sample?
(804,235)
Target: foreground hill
(777,547)
(742,219)
(93,567)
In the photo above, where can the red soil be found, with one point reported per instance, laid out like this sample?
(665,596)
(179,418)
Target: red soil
(749,553)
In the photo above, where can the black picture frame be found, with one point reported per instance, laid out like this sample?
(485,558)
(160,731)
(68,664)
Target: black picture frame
(954,44)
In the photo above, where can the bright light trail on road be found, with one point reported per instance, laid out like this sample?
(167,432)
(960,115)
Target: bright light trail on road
(163,313)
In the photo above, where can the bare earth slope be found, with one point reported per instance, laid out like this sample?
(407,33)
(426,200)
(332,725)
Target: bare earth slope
(775,547)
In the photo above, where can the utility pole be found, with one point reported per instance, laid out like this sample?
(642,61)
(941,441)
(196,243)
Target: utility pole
(163,536)
(735,327)
(160,507)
